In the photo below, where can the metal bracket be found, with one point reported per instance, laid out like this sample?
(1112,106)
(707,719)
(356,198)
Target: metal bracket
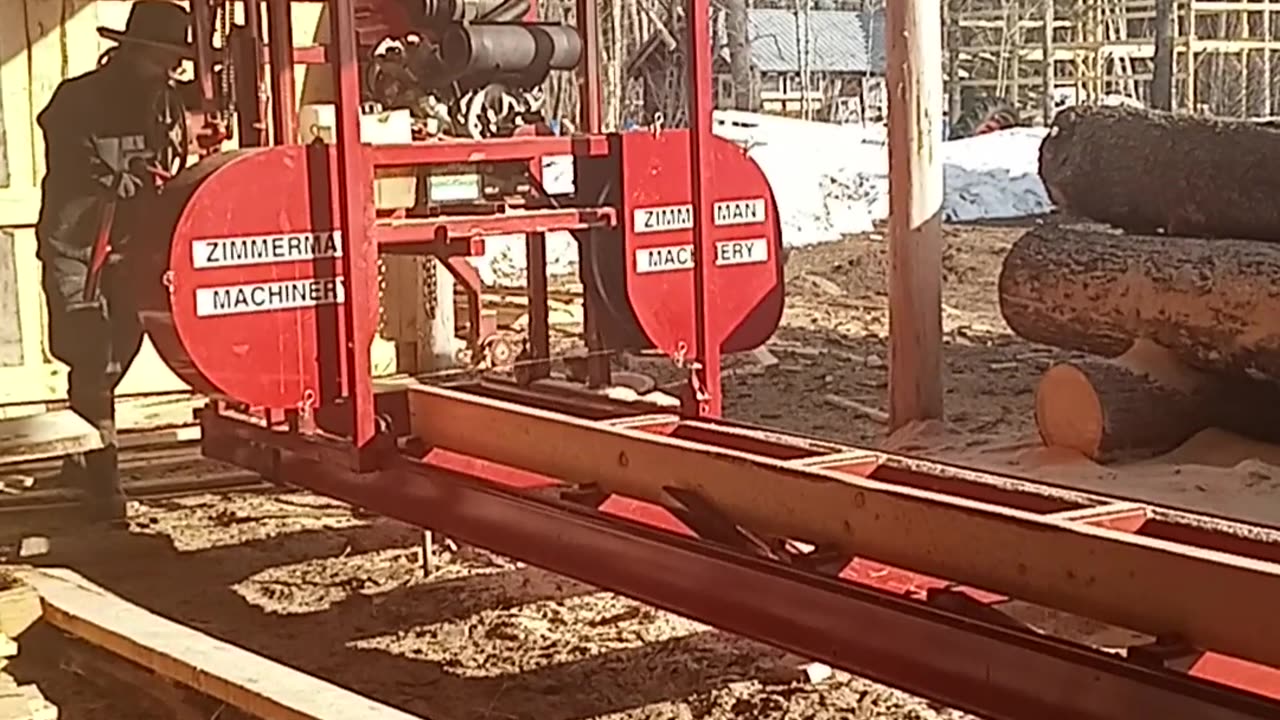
(710,524)
(1165,653)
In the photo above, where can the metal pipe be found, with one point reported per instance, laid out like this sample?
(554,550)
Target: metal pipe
(253,133)
(704,393)
(355,220)
(509,49)
(284,113)
(588,17)
(202,31)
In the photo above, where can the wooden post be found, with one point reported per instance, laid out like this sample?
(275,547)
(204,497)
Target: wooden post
(1189,36)
(1162,82)
(1266,57)
(914,77)
(1048,72)
(1013,40)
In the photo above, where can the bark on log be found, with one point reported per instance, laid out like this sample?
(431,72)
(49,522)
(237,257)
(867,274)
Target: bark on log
(1123,409)
(1146,171)
(1146,403)
(1215,304)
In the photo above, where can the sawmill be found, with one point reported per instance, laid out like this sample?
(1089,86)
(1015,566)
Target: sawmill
(261,283)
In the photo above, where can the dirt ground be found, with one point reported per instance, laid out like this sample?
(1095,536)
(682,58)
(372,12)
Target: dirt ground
(304,581)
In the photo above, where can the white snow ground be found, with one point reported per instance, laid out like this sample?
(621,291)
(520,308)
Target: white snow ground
(829,181)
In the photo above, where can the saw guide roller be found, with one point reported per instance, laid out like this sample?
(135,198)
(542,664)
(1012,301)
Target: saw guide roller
(261,290)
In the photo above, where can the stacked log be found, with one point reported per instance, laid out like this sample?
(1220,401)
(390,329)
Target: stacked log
(1147,171)
(1181,330)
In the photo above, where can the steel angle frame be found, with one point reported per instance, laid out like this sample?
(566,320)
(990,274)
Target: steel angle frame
(984,669)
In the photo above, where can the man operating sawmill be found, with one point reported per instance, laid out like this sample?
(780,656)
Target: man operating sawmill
(109,144)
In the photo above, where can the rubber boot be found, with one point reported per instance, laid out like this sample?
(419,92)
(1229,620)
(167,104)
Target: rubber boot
(104,495)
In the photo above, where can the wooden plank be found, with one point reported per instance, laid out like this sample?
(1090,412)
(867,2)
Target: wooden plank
(260,687)
(51,434)
(19,610)
(25,702)
(913,70)
(1218,601)
(10,310)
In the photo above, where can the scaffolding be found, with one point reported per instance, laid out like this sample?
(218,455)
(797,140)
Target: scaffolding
(1222,53)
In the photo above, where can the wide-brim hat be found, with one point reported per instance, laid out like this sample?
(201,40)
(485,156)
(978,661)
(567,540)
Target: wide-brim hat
(155,23)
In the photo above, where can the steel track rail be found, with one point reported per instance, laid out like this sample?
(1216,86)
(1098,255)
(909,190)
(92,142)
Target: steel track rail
(982,668)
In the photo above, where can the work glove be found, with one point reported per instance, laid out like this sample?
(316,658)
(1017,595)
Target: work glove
(125,184)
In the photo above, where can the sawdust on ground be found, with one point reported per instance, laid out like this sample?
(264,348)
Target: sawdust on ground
(304,581)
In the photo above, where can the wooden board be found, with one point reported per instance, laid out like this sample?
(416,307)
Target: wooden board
(258,686)
(52,434)
(35,433)
(25,702)
(1215,600)
(19,610)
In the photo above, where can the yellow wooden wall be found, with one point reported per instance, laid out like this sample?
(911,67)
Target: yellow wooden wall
(42,42)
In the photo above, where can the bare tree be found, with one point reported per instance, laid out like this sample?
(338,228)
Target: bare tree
(740,55)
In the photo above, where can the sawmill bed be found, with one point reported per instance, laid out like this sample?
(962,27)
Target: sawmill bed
(339,595)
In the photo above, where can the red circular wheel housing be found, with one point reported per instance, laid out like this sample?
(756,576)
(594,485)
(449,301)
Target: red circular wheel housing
(244,302)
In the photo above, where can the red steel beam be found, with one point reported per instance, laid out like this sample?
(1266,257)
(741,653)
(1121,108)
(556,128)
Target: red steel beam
(995,672)
(422,230)
(492,150)
(1216,600)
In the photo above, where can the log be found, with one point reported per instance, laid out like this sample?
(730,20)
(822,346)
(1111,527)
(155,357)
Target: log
(1215,304)
(1146,171)
(1132,408)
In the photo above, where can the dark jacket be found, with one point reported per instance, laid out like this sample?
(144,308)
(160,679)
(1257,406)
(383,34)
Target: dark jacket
(101,130)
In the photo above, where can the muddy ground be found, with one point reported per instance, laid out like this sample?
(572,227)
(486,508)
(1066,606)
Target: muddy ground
(301,580)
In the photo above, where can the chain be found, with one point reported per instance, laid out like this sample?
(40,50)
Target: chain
(228,67)
(382,297)
(428,271)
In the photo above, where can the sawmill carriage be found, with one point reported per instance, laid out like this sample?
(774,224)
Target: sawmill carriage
(465,81)
(261,291)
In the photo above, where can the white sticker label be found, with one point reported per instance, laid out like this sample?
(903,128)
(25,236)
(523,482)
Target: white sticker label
(742,252)
(680,257)
(664,259)
(265,249)
(662,218)
(268,296)
(739,212)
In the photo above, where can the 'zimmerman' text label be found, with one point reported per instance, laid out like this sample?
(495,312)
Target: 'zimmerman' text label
(265,249)
(739,212)
(662,218)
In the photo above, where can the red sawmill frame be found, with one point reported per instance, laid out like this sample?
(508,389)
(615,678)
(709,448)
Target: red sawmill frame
(944,640)
(601,491)
(450,238)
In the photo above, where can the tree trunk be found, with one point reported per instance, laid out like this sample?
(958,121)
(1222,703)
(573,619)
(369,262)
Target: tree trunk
(1146,403)
(740,55)
(1121,409)
(1147,171)
(1214,303)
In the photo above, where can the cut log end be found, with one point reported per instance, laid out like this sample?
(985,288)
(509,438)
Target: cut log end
(1069,413)
(1119,410)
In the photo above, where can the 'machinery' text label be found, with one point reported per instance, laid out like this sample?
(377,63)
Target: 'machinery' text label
(268,296)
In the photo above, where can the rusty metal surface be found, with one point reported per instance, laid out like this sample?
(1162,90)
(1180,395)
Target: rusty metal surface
(982,668)
(1211,597)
